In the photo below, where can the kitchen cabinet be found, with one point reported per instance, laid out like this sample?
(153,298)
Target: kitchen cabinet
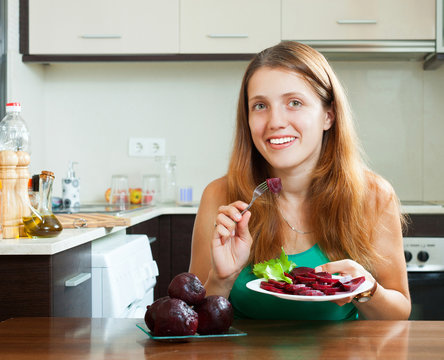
(103,26)
(358,20)
(231,26)
(46,285)
(171,248)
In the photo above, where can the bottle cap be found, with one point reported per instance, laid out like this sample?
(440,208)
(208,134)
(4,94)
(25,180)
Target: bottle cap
(13,106)
(46,174)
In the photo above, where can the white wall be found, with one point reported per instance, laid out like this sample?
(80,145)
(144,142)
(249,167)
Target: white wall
(88,111)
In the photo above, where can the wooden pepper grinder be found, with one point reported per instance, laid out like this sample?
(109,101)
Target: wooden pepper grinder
(9,212)
(21,188)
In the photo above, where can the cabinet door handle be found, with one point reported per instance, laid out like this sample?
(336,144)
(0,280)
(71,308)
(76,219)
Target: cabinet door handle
(227,36)
(356,21)
(101,36)
(78,279)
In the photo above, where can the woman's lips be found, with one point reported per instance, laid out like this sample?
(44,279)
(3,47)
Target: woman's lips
(281,142)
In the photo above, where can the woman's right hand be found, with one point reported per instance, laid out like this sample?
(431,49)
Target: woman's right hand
(232,241)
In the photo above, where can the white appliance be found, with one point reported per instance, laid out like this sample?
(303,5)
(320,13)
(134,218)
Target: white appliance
(123,276)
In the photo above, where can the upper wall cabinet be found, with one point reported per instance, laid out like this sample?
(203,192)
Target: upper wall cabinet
(358,19)
(228,26)
(103,26)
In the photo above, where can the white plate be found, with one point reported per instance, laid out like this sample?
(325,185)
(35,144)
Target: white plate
(255,286)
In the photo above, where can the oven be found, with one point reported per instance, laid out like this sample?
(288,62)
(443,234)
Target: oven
(425,268)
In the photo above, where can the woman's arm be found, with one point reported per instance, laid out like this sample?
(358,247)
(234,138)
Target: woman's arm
(221,241)
(392,298)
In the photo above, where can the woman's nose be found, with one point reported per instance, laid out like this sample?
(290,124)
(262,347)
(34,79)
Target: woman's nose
(277,119)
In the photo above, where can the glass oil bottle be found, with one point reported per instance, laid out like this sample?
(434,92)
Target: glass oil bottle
(42,222)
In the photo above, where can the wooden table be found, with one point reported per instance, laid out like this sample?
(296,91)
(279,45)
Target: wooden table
(84,338)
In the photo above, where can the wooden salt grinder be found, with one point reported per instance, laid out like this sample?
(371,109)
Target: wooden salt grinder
(21,188)
(9,212)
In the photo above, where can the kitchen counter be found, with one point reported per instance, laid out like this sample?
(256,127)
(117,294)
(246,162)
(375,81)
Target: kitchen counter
(83,338)
(70,238)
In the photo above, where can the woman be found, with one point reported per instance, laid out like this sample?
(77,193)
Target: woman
(333,213)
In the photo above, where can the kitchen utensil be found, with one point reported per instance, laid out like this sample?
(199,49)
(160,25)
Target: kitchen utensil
(260,189)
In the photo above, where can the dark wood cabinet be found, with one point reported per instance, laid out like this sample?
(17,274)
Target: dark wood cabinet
(171,248)
(34,285)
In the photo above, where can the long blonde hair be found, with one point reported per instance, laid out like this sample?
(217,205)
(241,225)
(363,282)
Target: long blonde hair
(337,198)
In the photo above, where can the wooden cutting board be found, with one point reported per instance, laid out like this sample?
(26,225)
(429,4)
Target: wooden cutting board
(79,220)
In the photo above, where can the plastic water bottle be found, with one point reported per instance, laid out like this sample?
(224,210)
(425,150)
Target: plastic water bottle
(14,134)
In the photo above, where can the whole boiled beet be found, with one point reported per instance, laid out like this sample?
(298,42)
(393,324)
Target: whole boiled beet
(215,315)
(187,287)
(150,315)
(171,317)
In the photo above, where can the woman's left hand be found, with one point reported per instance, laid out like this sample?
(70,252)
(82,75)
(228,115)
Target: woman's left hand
(343,268)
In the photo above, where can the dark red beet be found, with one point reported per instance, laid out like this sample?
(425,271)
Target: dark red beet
(353,284)
(301,271)
(187,287)
(274,184)
(304,280)
(150,315)
(311,292)
(307,282)
(172,317)
(215,315)
(277,284)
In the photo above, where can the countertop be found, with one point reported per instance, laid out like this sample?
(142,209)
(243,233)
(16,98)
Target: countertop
(83,338)
(70,238)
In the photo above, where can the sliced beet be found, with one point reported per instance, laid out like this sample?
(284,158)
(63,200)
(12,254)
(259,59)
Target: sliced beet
(277,284)
(322,287)
(331,291)
(324,274)
(289,276)
(311,292)
(353,284)
(274,184)
(304,280)
(294,288)
(310,275)
(264,285)
(326,280)
(302,270)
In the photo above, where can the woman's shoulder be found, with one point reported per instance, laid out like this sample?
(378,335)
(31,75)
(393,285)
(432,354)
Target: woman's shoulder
(216,191)
(380,192)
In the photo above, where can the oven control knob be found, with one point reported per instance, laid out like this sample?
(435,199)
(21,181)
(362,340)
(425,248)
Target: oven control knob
(423,256)
(408,255)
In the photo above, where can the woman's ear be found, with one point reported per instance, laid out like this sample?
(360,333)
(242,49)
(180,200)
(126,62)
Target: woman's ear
(329,117)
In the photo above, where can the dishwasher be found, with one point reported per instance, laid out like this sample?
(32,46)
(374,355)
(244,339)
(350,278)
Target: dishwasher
(123,276)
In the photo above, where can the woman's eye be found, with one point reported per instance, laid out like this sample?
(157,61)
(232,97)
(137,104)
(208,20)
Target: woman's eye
(294,103)
(258,106)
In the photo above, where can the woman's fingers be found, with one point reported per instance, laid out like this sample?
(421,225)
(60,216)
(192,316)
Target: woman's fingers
(229,216)
(342,267)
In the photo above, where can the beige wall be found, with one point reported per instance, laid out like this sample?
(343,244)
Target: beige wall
(88,111)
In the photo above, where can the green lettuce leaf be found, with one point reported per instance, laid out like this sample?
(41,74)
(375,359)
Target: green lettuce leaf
(275,268)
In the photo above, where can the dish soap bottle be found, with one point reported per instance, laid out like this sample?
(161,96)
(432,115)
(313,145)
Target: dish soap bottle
(71,188)
(42,222)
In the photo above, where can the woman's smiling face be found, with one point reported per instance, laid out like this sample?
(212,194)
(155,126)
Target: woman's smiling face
(286,118)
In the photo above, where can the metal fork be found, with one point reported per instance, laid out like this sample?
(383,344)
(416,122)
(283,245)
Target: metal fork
(260,189)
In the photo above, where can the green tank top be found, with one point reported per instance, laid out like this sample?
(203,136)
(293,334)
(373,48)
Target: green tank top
(251,304)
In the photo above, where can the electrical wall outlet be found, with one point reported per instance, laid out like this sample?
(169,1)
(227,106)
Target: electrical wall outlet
(146,147)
